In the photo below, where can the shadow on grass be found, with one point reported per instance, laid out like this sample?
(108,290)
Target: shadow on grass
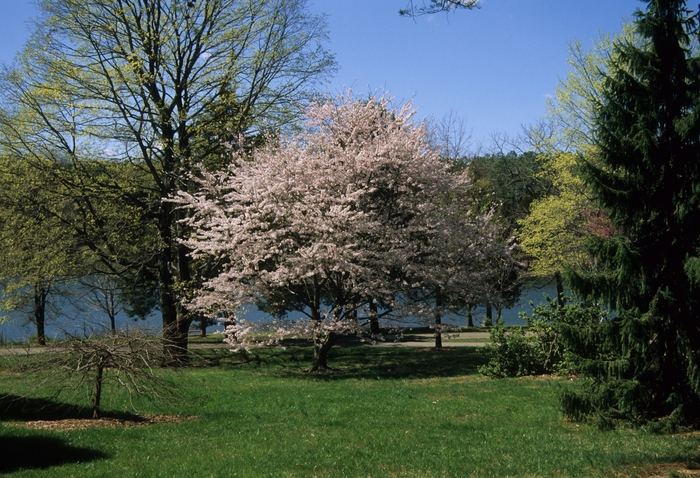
(39,451)
(18,408)
(32,452)
(359,362)
(375,362)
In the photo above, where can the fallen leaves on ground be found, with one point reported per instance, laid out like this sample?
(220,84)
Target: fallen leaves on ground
(81,423)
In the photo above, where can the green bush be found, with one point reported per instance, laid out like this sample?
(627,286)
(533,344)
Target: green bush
(541,347)
(512,353)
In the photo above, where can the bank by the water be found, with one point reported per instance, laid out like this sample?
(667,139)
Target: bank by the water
(65,318)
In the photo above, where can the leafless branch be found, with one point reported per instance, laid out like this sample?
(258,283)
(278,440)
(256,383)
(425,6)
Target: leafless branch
(413,9)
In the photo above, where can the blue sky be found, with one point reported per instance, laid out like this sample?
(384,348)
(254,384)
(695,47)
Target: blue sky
(494,66)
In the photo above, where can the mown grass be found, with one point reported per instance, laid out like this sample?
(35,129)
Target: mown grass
(380,412)
(208,339)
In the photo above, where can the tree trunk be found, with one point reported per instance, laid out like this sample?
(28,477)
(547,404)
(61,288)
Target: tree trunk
(489,315)
(98,393)
(172,354)
(176,323)
(40,294)
(438,319)
(470,316)
(373,317)
(560,288)
(111,299)
(321,348)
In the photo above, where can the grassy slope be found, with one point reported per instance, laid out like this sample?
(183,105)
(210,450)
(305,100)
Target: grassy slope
(382,412)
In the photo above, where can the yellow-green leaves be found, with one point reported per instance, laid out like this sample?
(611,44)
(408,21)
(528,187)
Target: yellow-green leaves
(553,232)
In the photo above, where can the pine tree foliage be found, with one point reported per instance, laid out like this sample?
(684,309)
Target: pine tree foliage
(646,177)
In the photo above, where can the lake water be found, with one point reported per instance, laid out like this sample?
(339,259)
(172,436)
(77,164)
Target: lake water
(65,318)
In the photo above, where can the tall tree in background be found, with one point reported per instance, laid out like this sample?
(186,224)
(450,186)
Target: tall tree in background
(553,232)
(646,177)
(506,183)
(159,84)
(38,253)
(59,227)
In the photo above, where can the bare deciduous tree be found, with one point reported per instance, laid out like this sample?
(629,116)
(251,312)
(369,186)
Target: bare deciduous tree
(126,359)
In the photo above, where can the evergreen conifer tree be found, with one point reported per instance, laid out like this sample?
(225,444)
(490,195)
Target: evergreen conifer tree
(644,364)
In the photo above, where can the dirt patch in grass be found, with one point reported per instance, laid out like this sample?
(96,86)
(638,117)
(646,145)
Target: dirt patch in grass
(67,424)
(662,470)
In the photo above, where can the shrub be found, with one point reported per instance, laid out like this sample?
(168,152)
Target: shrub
(513,353)
(543,346)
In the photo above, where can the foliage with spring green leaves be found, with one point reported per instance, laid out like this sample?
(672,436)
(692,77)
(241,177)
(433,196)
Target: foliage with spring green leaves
(38,251)
(542,347)
(158,85)
(554,231)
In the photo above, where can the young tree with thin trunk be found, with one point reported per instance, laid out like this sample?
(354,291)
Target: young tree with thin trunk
(100,364)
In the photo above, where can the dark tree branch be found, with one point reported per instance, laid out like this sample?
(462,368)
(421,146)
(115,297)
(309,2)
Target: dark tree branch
(436,6)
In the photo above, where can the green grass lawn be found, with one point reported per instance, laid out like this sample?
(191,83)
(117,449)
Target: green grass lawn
(381,412)
(208,339)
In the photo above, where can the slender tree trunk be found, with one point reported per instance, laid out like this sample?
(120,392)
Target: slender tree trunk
(98,393)
(470,316)
(112,323)
(373,317)
(40,294)
(489,315)
(111,309)
(438,319)
(560,288)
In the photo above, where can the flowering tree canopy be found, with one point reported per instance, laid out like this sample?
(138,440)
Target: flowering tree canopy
(356,210)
